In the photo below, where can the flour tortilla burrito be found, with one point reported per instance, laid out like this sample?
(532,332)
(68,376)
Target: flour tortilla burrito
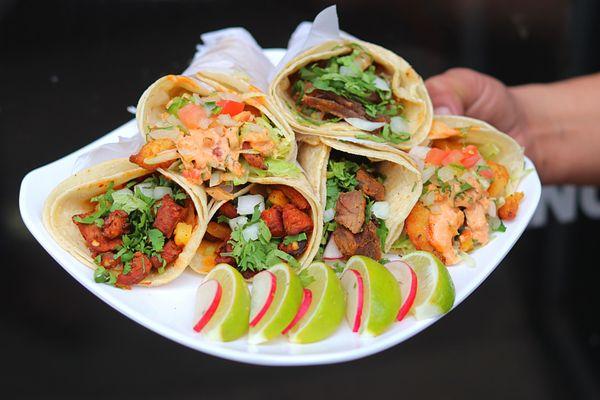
(133,226)
(216,129)
(349,89)
(273,219)
(366,194)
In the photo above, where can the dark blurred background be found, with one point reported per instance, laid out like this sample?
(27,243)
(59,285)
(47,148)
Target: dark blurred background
(69,69)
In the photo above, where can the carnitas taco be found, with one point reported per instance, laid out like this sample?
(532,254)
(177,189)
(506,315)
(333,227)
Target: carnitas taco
(470,172)
(366,194)
(214,129)
(270,221)
(133,226)
(349,89)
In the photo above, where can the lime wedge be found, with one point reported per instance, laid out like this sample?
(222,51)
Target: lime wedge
(435,290)
(283,307)
(381,295)
(326,310)
(229,320)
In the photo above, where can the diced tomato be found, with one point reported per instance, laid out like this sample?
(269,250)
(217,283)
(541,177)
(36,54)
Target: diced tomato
(487,173)
(453,157)
(191,115)
(435,156)
(470,161)
(470,150)
(230,107)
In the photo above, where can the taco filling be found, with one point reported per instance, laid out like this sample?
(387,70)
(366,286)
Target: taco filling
(354,88)
(219,139)
(137,229)
(464,196)
(355,209)
(256,231)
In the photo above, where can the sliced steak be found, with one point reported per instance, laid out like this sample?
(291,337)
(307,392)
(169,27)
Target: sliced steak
(368,243)
(369,185)
(350,210)
(345,241)
(333,104)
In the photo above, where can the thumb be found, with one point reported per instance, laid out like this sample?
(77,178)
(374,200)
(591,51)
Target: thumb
(462,91)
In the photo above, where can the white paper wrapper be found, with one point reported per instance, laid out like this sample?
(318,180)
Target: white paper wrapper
(232,50)
(124,147)
(307,35)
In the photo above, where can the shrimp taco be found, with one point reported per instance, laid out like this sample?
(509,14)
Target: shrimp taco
(133,226)
(215,129)
(471,172)
(366,195)
(271,220)
(348,89)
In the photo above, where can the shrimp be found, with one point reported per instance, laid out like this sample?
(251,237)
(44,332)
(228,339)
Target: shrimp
(444,222)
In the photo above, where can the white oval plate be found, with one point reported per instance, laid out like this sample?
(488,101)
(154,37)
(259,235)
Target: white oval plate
(168,310)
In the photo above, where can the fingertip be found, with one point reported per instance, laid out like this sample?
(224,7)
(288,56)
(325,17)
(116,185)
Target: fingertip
(442,110)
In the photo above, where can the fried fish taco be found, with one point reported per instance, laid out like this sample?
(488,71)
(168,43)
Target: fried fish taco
(471,172)
(349,89)
(133,226)
(366,194)
(272,220)
(218,129)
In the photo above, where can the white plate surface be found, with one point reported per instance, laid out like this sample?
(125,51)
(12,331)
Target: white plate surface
(168,310)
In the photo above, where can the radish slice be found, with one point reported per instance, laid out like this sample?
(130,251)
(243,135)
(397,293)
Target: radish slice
(264,286)
(208,298)
(407,279)
(331,252)
(246,204)
(363,124)
(352,282)
(304,306)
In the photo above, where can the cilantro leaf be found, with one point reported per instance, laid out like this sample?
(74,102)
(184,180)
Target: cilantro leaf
(294,238)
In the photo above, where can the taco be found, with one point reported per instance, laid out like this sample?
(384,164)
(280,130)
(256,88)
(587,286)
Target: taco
(271,220)
(215,129)
(471,172)
(133,226)
(366,194)
(348,89)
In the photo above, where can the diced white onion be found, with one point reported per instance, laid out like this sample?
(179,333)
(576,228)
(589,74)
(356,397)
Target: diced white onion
(226,120)
(347,71)
(247,203)
(398,125)
(146,188)
(124,191)
(418,154)
(491,209)
(163,156)
(446,174)
(215,179)
(328,215)
(161,191)
(250,233)
(381,84)
(236,222)
(468,260)
(494,223)
(428,172)
(467,176)
(363,124)
(381,209)
(428,198)
(485,184)
(331,252)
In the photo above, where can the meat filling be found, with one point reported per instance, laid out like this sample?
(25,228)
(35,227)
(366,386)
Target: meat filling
(350,210)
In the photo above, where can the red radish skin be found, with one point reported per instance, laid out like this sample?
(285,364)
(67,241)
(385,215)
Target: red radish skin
(268,302)
(400,270)
(304,306)
(360,287)
(211,310)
